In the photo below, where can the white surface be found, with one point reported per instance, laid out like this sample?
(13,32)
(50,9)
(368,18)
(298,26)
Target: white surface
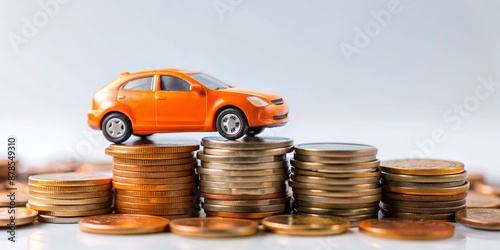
(54,237)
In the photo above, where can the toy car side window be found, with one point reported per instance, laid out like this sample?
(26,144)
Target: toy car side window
(172,83)
(145,83)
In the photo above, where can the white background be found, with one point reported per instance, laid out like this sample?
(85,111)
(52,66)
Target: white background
(393,93)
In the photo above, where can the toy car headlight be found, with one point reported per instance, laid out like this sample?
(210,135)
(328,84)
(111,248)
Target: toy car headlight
(257,101)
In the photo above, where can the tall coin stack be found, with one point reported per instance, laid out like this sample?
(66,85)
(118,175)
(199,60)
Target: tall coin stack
(67,197)
(423,189)
(336,179)
(155,179)
(244,178)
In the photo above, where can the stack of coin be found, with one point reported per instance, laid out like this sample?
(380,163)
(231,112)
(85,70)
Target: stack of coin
(244,178)
(336,179)
(155,179)
(423,189)
(68,197)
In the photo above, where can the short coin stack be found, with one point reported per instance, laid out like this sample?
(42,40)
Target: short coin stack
(155,179)
(244,178)
(336,179)
(423,189)
(67,197)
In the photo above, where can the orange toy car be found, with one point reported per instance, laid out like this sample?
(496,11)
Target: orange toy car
(172,100)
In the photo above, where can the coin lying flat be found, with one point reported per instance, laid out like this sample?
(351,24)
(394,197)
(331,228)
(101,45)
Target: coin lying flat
(149,200)
(341,194)
(214,227)
(428,191)
(488,188)
(245,203)
(23,216)
(364,174)
(423,204)
(77,213)
(154,181)
(76,189)
(247,153)
(421,210)
(423,198)
(244,179)
(249,166)
(156,187)
(155,156)
(244,196)
(159,212)
(407,229)
(154,168)
(243,209)
(422,167)
(480,218)
(323,167)
(413,216)
(333,160)
(305,225)
(139,193)
(216,184)
(334,181)
(72,196)
(242,173)
(152,175)
(148,147)
(335,149)
(52,201)
(69,179)
(183,161)
(239,159)
(58,220)
(349,188)
(247,143)
(243,191)
(46,207)
(479,200)
(338,212)
(123,224)
(424,179)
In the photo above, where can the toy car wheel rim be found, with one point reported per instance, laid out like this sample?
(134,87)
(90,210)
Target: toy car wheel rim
(231,124)
(115,127)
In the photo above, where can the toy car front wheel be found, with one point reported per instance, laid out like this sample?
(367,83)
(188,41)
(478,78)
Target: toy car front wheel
(254,131)
(231,124)
(116,128)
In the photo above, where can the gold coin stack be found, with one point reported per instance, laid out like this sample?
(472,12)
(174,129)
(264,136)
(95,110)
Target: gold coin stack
(67,197)
(336,179)
(155,179)
(244,178)
(423,189)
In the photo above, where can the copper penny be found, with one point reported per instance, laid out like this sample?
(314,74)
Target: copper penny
(479,200)
(243,196)
(422,167)
(407,229)
(214,227)
(123,224)
(480,218)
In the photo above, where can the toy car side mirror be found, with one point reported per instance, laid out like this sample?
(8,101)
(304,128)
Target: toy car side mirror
(198,89)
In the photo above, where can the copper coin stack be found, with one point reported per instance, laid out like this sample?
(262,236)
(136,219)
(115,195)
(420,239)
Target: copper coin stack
(336,179)
(244,178)
(65,198)
(423,189)
(155,179)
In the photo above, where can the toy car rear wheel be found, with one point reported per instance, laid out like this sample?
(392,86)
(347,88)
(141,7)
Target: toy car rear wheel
(116,127)
(231,123)
(254,131)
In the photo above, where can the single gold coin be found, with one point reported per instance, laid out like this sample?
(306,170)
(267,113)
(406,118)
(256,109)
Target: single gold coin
(246,203)
(337,212)
(335,149)
(45,207)
(423,198)
(262,184)
(422,167)
(246,209)
(340,194)
(425,179)
(157,194)
(305,225)
(423,185)
(239,159)
(244,179)
(247,143)
(153,206)
(155,200)
(313,204)
(248,153)
(493,189)
(479,200)
(444,217)
(407,229)
(252,166)
(333,160)
(244,191)
(214,227)
(335,168)
(13,197)
(69,179)
(242,173)
(171,187)
(428,191)
(243,196)
(346,188)
(123,224)
(329,200)
(58,220)
(151,181)
(243,215)
(154,168)
(421,210)
(149,147)
(334,181)
(153,175)
(77,213)
(156,156)
(163,162)
(52,201)
(158,212)
(373,174)
(480,218)
(22,216)
(71,189)
(72,196)
(423,204)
